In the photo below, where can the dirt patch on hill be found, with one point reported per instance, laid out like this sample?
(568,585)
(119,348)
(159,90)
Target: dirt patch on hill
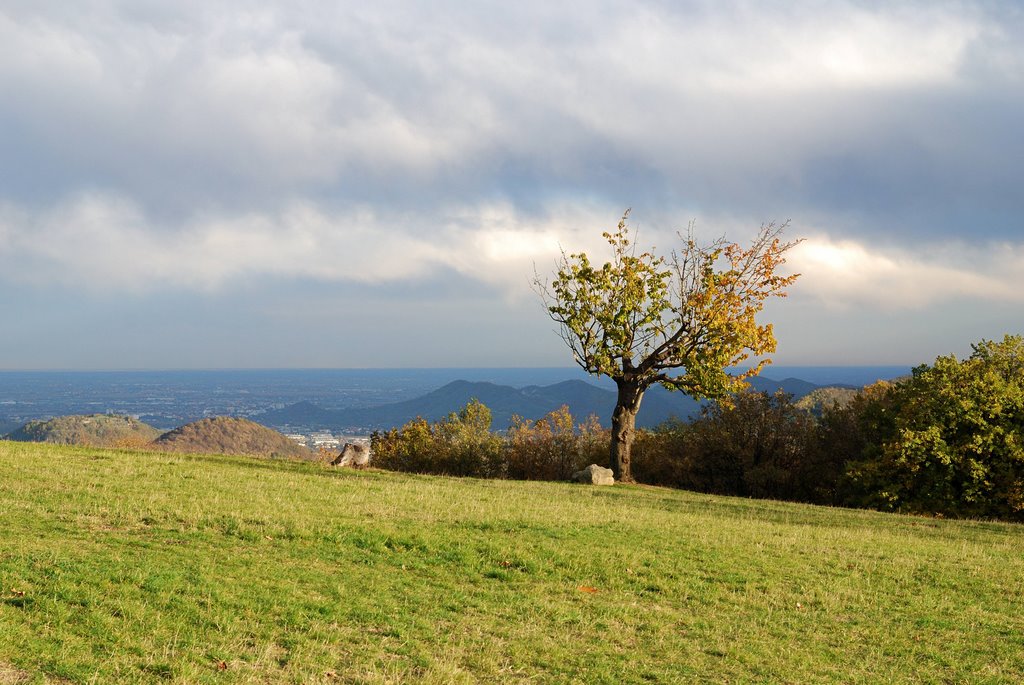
(9,675)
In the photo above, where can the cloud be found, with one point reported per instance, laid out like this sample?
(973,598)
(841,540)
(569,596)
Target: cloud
(190,149)
(846,273)
(108,242)
(716,106)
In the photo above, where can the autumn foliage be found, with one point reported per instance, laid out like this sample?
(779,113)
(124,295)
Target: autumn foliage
(947,441)
(550,448)
(553,447)
(460,445)
(684,321)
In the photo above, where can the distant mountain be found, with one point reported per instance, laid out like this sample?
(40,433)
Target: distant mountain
(794,386)
(225,435)
(531,402)
(583,399)
(503,401)
(7,425)
(299,414)
(96,430)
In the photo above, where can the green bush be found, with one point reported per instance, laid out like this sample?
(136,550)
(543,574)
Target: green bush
(950,439)
(460,445)
(551,448)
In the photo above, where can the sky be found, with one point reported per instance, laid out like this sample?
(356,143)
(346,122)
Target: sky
(186,184)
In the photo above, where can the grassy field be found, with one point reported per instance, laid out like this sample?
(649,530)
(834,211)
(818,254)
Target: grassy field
(120,567)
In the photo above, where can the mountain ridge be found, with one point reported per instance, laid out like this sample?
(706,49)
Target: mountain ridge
(531,402)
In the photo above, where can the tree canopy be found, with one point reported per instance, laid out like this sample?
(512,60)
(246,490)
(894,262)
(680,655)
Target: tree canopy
(685,320)
(953,439)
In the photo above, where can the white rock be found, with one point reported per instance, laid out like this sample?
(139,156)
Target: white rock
(353,454)
(595,475)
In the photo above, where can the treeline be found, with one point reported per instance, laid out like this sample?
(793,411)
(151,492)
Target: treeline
(946,441)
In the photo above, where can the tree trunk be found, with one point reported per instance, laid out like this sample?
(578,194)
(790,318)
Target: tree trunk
(624,428)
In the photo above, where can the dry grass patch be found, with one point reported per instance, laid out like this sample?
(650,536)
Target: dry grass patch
(9,675)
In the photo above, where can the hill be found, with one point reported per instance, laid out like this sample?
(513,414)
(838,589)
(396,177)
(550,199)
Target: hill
(98,430)
(300,414)
(504,401)
(793,386)
(159,567)
(818,400)
(225,435)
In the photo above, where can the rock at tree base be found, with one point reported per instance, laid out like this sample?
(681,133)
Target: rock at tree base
(352,454)
(594,475)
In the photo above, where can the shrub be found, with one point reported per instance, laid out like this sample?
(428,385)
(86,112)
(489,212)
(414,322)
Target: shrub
(663,456)
(852,432)
(950,439)
(471,448)
(408,448)
(553,448)
(754,445)
(459,445)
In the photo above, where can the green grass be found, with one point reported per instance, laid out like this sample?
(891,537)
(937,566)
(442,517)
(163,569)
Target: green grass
(120,566)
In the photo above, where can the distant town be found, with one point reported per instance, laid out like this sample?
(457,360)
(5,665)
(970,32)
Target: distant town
(324,440)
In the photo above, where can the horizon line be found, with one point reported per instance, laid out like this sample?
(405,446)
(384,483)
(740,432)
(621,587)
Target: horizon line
(395,368)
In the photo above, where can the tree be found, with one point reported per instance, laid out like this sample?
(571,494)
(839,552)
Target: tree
(639,319)
(951,438)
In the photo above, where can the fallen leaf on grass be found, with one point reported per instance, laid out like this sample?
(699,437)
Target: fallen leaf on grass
(588,588)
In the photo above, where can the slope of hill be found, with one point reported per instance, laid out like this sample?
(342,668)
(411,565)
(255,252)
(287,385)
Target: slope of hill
(98,430)
(299,414)
(504,401)
(225,435)
(818,400)
(155,567)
